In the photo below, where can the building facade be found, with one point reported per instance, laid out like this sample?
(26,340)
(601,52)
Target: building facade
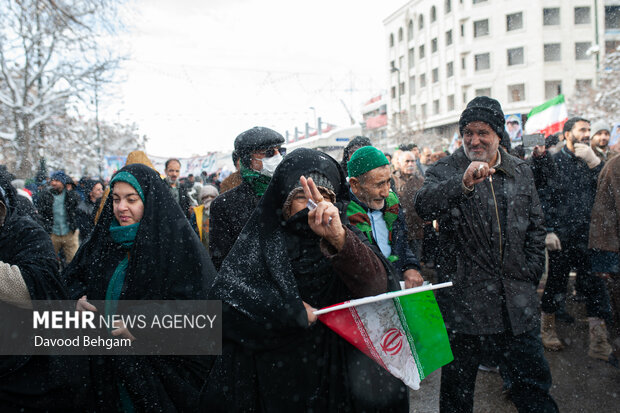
(443,53)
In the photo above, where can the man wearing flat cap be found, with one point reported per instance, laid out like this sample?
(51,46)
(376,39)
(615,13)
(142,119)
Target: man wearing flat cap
(492,241)
(260,151)
(375,210)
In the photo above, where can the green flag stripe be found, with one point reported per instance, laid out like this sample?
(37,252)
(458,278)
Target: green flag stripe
(428,331)
(555,101)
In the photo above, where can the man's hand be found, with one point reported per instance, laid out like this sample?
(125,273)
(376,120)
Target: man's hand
(122,331)
(476,172)
(310,313)
(539,150)
(552,242)
(324,220)
(586,153)
(413,278)
(83,305)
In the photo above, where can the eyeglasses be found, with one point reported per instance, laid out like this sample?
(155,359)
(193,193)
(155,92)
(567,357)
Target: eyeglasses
(268,153)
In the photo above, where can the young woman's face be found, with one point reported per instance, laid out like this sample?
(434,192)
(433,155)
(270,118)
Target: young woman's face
(128,206)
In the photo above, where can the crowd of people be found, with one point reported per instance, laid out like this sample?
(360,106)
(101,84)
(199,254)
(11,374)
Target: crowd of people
(286,234)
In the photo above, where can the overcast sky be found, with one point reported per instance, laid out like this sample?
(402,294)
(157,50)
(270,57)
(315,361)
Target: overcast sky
(201,72)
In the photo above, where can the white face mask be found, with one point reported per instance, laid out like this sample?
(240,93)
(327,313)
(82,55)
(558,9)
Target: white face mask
(270,164)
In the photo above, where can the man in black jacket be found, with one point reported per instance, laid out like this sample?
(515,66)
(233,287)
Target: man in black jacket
(178,191)
(492,236)
(259,150)
(570,189)
(57,208)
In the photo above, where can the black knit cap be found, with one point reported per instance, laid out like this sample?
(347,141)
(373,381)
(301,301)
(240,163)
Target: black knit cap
(256,139)
(484,109)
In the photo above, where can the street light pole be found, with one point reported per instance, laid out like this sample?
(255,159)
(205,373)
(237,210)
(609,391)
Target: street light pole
(400,110)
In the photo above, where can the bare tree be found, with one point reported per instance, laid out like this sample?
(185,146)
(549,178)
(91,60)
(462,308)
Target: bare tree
(600,101)
(50,53)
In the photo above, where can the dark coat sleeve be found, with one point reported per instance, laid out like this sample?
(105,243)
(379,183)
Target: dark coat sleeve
(534,258)
(44,204)
(220,240)
(72,199)
(358,266)
(442,190)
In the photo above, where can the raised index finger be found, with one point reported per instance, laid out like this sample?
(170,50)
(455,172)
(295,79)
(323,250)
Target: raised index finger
(304,185)
(316,195)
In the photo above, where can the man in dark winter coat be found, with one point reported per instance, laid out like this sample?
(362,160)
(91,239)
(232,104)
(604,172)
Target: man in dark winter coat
(492,236)
(375,210)
(178,191)
(259,151)
(57,208)
(571,191)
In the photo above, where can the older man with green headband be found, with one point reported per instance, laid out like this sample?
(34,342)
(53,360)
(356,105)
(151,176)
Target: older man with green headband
(375,210)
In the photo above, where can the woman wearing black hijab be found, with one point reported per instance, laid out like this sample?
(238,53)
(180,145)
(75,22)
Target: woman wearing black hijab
(286,262)
(142,248)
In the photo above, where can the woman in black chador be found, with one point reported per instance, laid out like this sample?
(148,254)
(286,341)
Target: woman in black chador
(142,248)
(286,262)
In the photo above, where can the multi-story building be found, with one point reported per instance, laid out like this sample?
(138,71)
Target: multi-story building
(443,53)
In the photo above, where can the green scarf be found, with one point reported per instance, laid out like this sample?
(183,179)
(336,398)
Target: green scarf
(358,216)
(125,236)
(257,181)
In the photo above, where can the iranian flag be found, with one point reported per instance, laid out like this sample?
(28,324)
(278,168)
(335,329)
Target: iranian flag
(547,118)
(403,331)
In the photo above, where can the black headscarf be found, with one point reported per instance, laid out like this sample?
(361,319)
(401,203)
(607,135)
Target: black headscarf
(256,278)
(167,259)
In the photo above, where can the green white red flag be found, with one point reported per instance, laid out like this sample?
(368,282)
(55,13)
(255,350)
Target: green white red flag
(403,331)
(547,118)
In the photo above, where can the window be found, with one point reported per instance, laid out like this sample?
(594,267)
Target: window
(421,52)
(433,14)
(420,22)
(515,56)
(393,92)
(611,46)
(516,93)
(450,69)
(401,60)
(481,28)
(423,80)
(583,84)
(412,85)
(401,89)
(411,57)
(612,17)
(391,39)
(552,52)
(551,16)
(436,107)
(410,30)
(552,88)
(450,103)
(400,34)
(434,45)
(435,74)
(478,1)
(514,21)
(463,63)
(412,111)
(483,92)
(464,96)
(462,30)
(483,61)
(392,64)
(581,49)
(582,15)
(448,6)
(448,37)
(423,110)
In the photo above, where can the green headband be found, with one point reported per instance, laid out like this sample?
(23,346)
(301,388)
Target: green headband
(365,159)
(127,177)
